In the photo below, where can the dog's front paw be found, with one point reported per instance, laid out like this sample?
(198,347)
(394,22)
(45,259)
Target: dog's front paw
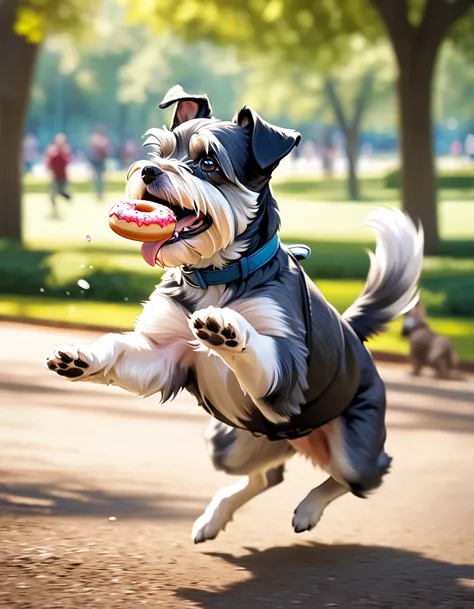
(220,329)
(67,362)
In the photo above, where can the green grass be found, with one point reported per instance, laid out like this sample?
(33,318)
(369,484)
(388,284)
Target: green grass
(341,294)
(372,190)
(315,212)
(303,188)
(328,221)
(71,311)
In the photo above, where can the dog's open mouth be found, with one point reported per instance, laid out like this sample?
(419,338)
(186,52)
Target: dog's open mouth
(188,225)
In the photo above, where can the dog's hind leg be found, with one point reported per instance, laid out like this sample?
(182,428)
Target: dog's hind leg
(357,441)
(225,503)
(310,510)
(351,449)
(417,367)
(238,452)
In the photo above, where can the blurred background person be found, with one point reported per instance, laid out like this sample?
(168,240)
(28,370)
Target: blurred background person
(99,149)
(30,151)
(57,158)
(128,153)
(469,146)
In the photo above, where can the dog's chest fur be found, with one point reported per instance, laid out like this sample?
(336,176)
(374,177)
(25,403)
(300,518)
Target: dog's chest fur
(165,321)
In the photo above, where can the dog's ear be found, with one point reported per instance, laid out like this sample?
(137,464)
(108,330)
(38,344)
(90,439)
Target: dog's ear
(270,144)
(188,106)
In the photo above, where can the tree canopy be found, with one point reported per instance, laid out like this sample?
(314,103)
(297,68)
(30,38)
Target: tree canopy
(316,36)
(310,38)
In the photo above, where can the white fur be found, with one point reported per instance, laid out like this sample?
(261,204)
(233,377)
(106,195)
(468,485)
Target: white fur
(309,511)
(253,360)
(263,314)
(163,320)
(340,466)
(398,256)
(224,504)
(231,206)
(129,360)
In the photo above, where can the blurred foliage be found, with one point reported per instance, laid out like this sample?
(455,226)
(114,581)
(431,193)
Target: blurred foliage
(301,92)
(117,72)
(460,179)
(454,90)
(122,85)
(38,18)
(118,274)
(340,293)
(303,31)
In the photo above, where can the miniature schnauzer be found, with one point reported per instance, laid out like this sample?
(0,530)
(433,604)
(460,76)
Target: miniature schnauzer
(237,323)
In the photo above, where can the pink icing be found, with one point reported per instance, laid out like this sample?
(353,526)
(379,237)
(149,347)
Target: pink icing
(126,210)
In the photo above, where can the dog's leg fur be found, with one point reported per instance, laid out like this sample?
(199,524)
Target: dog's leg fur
(350,449)
(253,357)
(238,452)
(225,502)
(417,366)
(128,360)
(310,510)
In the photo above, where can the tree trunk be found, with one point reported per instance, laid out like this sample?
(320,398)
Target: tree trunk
(352,151)
(350,127)
(416,49)
(418,168)
(16,74)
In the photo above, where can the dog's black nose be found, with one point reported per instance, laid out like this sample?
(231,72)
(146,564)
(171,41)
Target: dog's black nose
(150,173)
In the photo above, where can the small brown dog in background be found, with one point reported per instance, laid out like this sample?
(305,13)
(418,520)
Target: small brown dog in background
(427,348)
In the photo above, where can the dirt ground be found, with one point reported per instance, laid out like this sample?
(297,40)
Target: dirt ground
(75,456)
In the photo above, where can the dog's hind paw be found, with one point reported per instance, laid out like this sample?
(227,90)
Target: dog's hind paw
(220,329)
(210,524)
(306,516)
(65,361)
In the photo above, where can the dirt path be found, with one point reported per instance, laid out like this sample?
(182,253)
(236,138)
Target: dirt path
(74,455)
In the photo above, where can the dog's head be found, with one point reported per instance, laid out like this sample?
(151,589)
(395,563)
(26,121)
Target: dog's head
(414,319)
(215,176)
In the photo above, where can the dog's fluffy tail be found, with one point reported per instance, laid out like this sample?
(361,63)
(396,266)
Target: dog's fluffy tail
(391,288)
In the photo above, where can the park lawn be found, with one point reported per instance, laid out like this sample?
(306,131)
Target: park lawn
(122,315)
(372,189)
(82,246)
(302,188)
(323,220)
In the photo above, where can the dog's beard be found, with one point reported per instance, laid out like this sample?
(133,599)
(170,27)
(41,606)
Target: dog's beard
(230,207)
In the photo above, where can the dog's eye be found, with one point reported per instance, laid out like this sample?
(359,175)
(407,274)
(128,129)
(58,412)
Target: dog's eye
(207,164)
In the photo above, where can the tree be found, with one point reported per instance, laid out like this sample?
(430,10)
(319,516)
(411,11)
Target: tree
(105,82)
(315,34)
(416,37)
(362,82)
(454,91)
(23,25)
(18,57)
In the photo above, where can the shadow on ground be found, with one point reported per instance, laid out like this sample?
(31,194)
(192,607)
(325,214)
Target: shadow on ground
(436,420)
(345,576)
(75,400)
(434,390)
(76,499)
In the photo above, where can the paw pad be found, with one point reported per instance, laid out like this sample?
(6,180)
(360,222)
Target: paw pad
(216,333)
(66,365)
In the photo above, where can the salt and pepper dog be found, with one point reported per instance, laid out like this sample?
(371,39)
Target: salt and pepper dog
(237,323)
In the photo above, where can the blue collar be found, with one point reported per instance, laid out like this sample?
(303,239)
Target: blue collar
(237,271)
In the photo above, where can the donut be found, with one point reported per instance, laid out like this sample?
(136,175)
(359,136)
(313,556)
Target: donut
(144,221)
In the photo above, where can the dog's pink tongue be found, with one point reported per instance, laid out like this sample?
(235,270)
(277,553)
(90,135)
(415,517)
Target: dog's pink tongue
(150,250)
